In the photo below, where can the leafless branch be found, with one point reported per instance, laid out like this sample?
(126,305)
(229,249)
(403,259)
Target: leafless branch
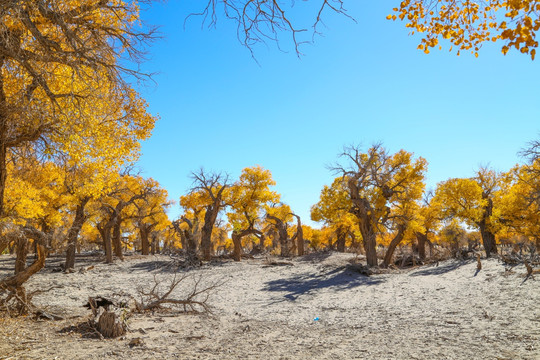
(195,300)
(259,21)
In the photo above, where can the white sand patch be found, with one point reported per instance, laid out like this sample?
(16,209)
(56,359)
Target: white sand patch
(314,308)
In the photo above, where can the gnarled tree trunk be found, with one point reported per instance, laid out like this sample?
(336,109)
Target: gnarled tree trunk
(3,137)
(393,244)
(299,236)
(283,237)
(189,244)
(422,240)
(369,239)
(22,253)
(488,238)
(341,235)
(117,238)
(210,217)
(145,243)
(73,233)
(237,241)
(105,232)
(14,284)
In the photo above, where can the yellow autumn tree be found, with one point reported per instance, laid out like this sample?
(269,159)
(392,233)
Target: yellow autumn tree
(383,190)
(60,65)
(472,200)
(333,210)
(149,214)
(279,216)
(207,198)
(250,197)
(428,222)
(468,24)
(520,196)
(62,88)
(113,210)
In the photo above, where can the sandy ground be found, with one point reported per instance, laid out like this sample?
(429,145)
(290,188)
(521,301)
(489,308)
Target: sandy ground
(315,308)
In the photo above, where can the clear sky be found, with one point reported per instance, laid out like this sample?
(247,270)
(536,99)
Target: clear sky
(360,83)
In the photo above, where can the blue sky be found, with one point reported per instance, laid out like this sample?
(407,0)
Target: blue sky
(360,83)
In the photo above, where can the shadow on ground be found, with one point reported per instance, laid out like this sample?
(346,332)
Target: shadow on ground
(317,256)
(442,269)
(337,279)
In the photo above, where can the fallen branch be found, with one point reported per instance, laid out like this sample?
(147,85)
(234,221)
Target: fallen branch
(196,299)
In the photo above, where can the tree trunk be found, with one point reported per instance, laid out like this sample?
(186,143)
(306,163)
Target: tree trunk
(22,252)
(105,233)
(392,247)
(283,237)
(369,239)
(488,239)
(341,236)
(237,242)
(117,240)
(206,232)
(261,242)
(20,278)
(155,240)
(14,284)
(145,244)
(422,240)
(3,246)
(299,236)
(73,234)
(3,138)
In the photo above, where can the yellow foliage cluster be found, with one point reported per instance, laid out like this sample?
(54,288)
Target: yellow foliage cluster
(468,24)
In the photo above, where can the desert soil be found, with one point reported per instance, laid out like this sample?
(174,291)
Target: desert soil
(315,307)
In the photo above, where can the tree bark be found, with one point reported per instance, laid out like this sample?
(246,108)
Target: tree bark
(261,241)
(210,217)
(366,223)
(20,278)
(14,284)
(422,240)
(105,232)
(22,253)
(283,237)
(187,237)
(3,139)
(237,242)
(73,233)
(117,240)
(488,238)
(155,241)
(393,244)
(369,239)
(341,236)
(145,244)
(3,246)
(299,236)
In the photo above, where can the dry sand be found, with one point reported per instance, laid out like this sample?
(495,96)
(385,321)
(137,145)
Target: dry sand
(315,308)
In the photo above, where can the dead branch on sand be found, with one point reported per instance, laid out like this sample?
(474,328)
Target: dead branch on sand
(196,300)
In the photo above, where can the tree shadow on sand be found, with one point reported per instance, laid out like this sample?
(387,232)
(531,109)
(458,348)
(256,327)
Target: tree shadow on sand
(317,256)
(443,269)
(338,279)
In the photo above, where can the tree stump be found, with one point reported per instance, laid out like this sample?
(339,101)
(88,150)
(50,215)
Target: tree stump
(110,326)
